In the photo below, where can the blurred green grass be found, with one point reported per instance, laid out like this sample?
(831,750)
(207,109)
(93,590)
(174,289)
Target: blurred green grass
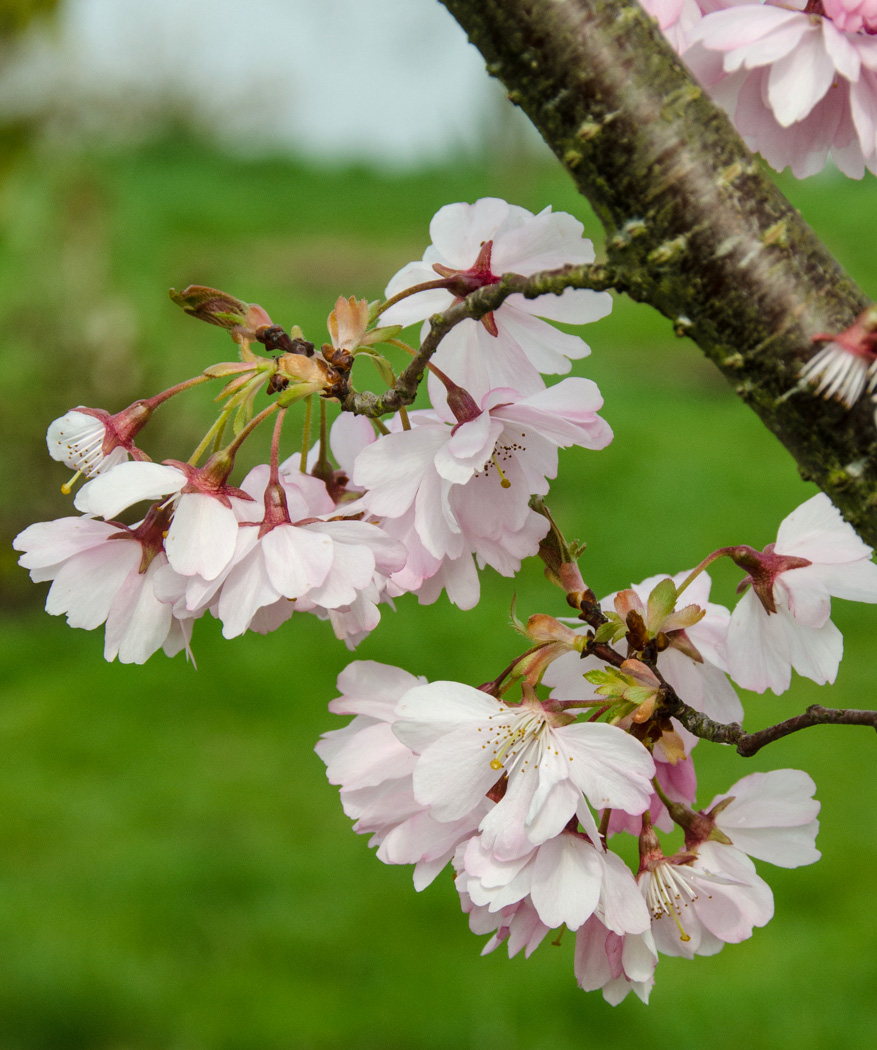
(175,872)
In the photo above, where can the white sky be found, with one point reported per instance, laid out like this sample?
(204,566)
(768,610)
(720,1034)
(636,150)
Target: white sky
(393,81)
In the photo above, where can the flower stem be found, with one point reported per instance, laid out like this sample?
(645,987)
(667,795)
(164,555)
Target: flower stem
(306,434)
(275,447)
(158,399)
(722,552)
(251,426)
(441,282)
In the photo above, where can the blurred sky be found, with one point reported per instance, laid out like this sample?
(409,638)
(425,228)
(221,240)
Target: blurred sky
(389,81)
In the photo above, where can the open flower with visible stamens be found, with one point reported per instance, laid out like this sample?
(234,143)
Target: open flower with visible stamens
(840,374)
(542,765)
(847,365)
(700,902)
(472,246)
(464,485)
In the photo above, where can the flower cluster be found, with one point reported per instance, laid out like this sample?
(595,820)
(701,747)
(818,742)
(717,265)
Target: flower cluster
(441,773)
(521,785)
(420,499)
(799,79)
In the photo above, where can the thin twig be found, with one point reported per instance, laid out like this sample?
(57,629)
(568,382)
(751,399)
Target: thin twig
(595,276)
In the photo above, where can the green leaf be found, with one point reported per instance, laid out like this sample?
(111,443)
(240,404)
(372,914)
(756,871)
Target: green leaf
(661,603)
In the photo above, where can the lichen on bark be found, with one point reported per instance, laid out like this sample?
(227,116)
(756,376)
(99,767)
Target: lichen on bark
(694,226)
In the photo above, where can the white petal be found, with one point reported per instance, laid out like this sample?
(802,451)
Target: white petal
(201,539)
(612,768)
(428,712)
(296,559)
(798,81)
(566,883)
(128,483)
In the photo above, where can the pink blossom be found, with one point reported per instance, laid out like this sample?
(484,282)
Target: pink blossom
(91,441)
(464,487)
(336,568)
(203,531)
(566,879)
(852,15)
(105,573)
(615,963)
(796,85)
(479,242)
(782,622)
(373,769)
(518,926)
(676,19)
(701,683)
(840,374)
(548,764)
(770,816)
(701,902)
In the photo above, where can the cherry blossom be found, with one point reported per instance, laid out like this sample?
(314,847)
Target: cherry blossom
(847,365)
(464,487)
(782,622)
(566,878)
(549,764)
(770,816)
(518,925)
(852,15)
(474,244)
(373,769)
(797,86)
(700,902)
(291,554)
(676,19)
(203,531)
(840,374)
(103,572)
(694,664)
(615,963)
(90,440)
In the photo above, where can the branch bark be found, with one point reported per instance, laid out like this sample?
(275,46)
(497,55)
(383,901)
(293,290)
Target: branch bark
(748,744)
(473,307)
(693,225)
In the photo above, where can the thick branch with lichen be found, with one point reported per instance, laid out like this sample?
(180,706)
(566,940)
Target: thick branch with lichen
(693,224)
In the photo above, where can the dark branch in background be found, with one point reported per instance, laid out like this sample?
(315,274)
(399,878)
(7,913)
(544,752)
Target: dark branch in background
(748,744)
(475,306)
(693,225)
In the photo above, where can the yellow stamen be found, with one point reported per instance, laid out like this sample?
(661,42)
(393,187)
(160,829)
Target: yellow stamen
(506,484)
(67,487)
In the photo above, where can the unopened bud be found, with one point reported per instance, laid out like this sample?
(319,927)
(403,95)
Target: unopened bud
(212,306)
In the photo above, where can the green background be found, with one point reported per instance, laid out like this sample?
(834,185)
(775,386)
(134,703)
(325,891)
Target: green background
(175,871)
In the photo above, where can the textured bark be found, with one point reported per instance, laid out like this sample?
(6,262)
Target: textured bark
(693,225)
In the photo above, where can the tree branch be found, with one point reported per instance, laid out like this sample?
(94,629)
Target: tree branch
(702,234)
(748,744)
(475,306)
